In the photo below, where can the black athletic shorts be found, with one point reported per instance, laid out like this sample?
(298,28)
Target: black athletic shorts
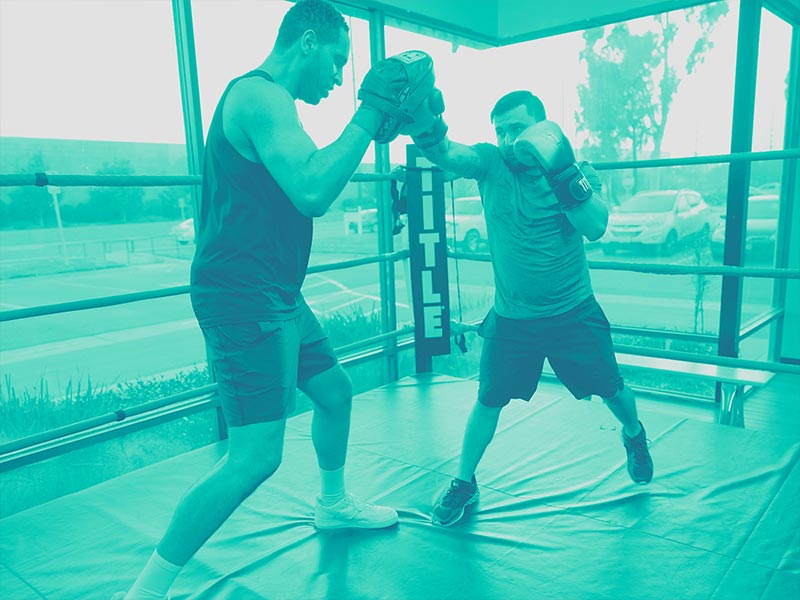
(576,343)
(259,365)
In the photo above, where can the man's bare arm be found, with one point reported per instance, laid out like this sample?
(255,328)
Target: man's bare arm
(457,158)
(311,177)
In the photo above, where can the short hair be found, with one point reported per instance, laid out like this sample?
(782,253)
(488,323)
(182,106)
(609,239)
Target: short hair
(318,15)
(520,98)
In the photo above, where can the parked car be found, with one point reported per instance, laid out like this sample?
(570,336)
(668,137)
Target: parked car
(366,219)
(720,198)
(658,220)
(467,229)
(762,226)
(183,232)
(770,188)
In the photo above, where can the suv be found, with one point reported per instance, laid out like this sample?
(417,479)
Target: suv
(762,226)
(467,229)
(657,219)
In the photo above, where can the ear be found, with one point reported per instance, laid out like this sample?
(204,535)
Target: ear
(308,41)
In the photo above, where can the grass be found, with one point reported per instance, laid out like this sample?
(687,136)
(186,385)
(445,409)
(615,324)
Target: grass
(29,411)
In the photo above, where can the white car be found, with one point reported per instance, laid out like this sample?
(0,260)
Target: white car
(658,220)
(762,227)
(769,188)
(361,221)
(467,229)
(183,232)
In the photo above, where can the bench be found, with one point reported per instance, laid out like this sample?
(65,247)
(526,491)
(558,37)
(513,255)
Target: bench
(732,380)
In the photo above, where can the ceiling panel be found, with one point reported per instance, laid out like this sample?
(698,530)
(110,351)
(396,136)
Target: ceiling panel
(500,22)
(472,22)
(521,20)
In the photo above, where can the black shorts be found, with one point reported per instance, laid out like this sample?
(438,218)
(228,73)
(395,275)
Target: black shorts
(259,365)
(577,344)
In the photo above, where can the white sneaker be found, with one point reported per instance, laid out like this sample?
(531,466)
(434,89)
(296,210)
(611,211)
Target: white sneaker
(353,512)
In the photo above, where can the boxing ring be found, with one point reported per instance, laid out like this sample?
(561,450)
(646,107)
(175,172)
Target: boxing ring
(558,516)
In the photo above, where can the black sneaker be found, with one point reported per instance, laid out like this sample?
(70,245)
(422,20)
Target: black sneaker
(450,507)
(640,464)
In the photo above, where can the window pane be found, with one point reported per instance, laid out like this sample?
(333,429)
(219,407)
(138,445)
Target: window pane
(94,79)
(772,80)
(80,364)
(105,106)
(89,99)
(584,90)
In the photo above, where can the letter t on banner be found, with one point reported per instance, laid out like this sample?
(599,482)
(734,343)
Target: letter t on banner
(428,259)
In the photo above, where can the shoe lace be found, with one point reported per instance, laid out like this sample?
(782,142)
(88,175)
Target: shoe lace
(453,496)
(638,449)
(357,503)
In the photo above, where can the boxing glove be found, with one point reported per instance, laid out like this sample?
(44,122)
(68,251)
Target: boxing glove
(428,127)
(545,145)
(396,87)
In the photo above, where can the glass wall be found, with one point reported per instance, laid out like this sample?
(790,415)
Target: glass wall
(92,88)
(767,194)
(90,98)
(654,87)
(605,91)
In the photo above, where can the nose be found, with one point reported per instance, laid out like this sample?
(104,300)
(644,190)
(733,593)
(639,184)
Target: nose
(337,77)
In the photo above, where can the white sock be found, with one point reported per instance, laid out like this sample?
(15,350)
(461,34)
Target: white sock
(155,579)
(332,486)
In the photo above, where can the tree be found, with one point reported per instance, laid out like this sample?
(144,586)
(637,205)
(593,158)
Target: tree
(633,78)
(115,204)
(172,203)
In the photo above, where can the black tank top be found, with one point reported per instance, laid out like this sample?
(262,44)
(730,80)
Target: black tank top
(253,245)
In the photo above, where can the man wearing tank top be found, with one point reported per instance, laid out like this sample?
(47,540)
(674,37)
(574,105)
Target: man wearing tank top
(264,180)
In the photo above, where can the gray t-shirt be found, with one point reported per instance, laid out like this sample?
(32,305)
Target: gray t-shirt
(538,257)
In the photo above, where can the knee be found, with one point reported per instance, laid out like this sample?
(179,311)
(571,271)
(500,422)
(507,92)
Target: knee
(490,403)
(337,398)
(489,410)
(250,472)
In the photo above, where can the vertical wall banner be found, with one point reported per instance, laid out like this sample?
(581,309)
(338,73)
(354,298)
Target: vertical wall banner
(427,245)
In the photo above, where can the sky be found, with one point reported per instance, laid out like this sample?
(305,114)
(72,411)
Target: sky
(107,70)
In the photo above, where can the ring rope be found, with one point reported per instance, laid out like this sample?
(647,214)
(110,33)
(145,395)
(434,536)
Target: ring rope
(44,179)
